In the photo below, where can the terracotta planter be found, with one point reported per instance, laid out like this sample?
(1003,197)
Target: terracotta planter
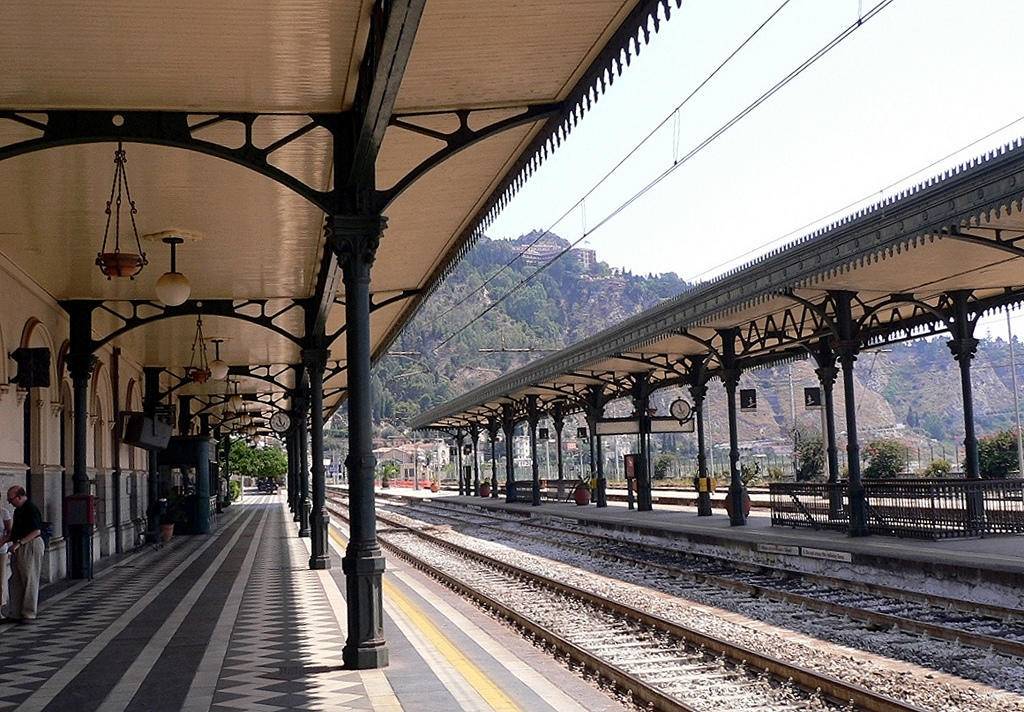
(166,532)
(199,375)
(434,487)
(120,264)
(746,504)
(485,489)
(582,495)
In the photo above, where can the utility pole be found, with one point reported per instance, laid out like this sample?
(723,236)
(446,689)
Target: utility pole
(1016,404)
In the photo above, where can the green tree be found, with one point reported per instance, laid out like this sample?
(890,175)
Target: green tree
(938,468)
(664,464)
(809,455)
(263,462)
(997,454)
(885,459)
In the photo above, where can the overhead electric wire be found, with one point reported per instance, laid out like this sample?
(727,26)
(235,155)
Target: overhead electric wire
(613,169)
(806,226)
(824,50)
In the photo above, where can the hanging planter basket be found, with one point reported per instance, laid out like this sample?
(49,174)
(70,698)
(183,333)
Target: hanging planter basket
(199,375)
(120,264)
(115,262)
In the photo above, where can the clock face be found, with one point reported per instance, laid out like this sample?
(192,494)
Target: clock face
(680,410)
(280,421)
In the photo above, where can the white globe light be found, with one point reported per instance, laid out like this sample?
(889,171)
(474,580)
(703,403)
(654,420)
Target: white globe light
(173,288)
(218,370)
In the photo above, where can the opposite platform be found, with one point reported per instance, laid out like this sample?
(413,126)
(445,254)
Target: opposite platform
(997,562)
(237,621)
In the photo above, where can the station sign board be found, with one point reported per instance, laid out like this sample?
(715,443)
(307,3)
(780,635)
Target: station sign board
(748,399)
(631,426)
(812,398)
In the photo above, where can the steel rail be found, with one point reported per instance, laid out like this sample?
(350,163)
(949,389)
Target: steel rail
(639,689)
(969,607)
(807,679)
(977,640)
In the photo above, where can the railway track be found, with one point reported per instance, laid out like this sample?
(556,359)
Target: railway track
(664,664)
(1000,630)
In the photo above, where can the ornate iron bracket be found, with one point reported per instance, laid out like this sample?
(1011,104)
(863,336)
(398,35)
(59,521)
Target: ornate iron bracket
(458,140)
(177,129)
(140,312)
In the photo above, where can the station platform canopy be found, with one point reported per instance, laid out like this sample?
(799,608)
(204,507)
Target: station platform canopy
(930,260)
(248,127)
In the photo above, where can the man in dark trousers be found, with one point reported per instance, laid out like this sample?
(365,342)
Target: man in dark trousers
(27,552)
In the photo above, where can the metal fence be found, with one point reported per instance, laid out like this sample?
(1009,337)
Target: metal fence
(913,508)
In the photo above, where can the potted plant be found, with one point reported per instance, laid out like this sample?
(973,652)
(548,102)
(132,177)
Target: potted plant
(172,516)
(485,489)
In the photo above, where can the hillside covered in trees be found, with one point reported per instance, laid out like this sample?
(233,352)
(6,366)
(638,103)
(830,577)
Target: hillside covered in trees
(909,390)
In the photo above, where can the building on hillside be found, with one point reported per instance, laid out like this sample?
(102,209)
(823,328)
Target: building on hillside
(585,257)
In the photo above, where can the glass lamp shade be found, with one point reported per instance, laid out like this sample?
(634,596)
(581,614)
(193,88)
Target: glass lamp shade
(235,403)
(173,288)
(218,370)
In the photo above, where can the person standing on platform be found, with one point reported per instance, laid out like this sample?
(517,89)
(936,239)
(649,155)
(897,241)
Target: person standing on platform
(6,514)
(27,556)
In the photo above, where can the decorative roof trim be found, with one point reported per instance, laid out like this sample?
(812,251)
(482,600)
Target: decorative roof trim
(966,194)
(633,34)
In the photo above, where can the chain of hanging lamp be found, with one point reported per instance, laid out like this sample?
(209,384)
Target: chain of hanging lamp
(115,262)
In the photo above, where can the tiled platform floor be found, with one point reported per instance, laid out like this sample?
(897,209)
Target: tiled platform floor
(236,621)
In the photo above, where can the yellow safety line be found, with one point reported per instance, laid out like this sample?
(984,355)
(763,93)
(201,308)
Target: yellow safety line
(476,677)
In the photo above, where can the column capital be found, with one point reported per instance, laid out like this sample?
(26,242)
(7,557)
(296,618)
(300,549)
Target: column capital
(314,358)
(963,349)
(493,428)
(81,365)
(354,238)
(731,376)
(827,375)
(698,391)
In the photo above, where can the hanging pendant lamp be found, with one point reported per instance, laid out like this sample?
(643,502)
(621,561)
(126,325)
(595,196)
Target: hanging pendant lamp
(218,367)
(173,288)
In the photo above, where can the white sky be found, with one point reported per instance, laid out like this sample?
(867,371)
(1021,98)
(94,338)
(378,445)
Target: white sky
(919,81)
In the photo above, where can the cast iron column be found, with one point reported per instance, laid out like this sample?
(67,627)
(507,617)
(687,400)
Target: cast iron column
(315,361)
(492,431)
(963,346)
(80,364)
(289,447)
(594,409)
(731,379)
(532,418)
(698,391)
(151,398)
(459,440)
(848,346)
(184,415)
(474,435)
(558,421)
(354,239)
(641,403)
(226,469)
(827,373)
(508,426)
(303,440)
